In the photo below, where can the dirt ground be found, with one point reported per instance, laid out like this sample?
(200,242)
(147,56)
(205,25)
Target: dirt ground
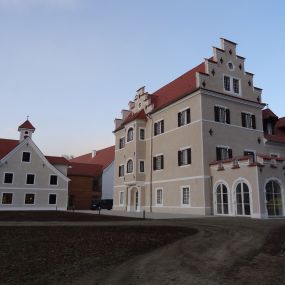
(186,251)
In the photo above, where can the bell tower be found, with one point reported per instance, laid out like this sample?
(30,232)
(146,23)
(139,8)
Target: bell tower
(26,130)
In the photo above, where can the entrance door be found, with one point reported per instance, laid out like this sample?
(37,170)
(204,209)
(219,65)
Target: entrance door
(242,200)
(136,200)
(273,198)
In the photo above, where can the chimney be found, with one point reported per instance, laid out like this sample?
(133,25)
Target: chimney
(93,153)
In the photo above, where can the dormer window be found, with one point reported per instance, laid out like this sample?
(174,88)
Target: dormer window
(130,135)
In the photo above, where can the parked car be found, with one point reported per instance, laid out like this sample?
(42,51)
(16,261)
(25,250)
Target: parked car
(102,204)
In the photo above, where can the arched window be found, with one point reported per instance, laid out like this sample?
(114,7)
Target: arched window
(273,198)
(242,199)
(222,199)
(130,135)
(130,166)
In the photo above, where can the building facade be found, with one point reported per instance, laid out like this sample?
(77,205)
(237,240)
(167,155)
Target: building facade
(198,145)
(91,178)
(30,180)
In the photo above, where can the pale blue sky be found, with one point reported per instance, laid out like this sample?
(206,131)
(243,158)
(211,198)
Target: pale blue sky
(72,65)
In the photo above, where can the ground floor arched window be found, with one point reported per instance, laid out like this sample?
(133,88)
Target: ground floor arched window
(222,199)
(273,198)
(242,199)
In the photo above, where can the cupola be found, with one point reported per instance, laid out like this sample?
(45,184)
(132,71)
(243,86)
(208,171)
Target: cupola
(26,130)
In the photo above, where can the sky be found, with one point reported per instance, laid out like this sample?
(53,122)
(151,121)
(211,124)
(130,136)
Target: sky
(72,65)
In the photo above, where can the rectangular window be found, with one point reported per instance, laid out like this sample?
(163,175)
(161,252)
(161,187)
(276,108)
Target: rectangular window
(121,198)
(26,157)
(184,117)
(223,153)
(8,178)
(52,199)
(53,180)
(142,134)
(141,166)
(7,198)
(251,154)
(248,120)
(236,85)
(30,179)
(130,134)
(227,83)
(184,157)
(122,143)
(185,196)
(159,127)
(222,115)
(121,170)
(158,162)
(159,197)
(30,199)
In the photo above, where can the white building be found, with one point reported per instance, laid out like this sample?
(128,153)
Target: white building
(29,180)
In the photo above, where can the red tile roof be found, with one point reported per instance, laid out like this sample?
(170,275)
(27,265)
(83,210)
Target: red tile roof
(275,138)
(178,88)
(103,157)
(131,117)
(6,146)
(280,123)
(27,125)
(84,169)
(57,160)
(267,113)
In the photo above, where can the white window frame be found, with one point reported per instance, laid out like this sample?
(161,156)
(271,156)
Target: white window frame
(121,195)
(123,170)
(126,172)
(141,160)
(184,111)
(127,137)
(7,192)
(161,169)
(34,198)
(140,134)
(231,91)
(224,108)
(53,185)
(4,174)
(156,122)
(224,147)
(248,114)
(156,196)
(183,149)
(189,200)
(27,178)
(123,137)
(22,157)
(232,64)
(251,150)
(49,196)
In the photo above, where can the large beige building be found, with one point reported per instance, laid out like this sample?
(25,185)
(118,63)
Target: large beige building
(202,145)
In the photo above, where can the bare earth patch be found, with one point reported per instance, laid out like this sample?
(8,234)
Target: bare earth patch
(57,255)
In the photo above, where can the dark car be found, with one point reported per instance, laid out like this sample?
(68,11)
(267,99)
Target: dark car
(102,204)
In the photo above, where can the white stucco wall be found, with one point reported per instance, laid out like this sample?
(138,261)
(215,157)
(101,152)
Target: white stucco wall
(108,182)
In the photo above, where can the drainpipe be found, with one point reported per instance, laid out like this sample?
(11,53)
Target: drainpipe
(150,182)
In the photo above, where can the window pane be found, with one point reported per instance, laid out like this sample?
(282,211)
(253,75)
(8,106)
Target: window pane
(26,156)
(52,199)
(236,85)
(227,83)
(7,198)
(53,180)
(8,179)
(30,179)
(29,198)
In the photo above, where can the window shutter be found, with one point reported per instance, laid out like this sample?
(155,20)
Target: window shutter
(189,155)
(154,163)
(228,118)
(243,123)
(179,157)
(216,109)
(218,153)
(162,162)
(162,126)
(230,153)
(188,116)
(155,129)
(253,122)
(179,119)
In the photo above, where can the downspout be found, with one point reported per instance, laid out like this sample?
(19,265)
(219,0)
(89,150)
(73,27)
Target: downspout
(150,176)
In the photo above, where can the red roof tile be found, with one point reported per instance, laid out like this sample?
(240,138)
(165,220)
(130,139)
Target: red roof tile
(275,138)
(178,88)
(280,123)
(103,157)
(84,169)
(57,160)
(6,146)
(267,113)
(27,125)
